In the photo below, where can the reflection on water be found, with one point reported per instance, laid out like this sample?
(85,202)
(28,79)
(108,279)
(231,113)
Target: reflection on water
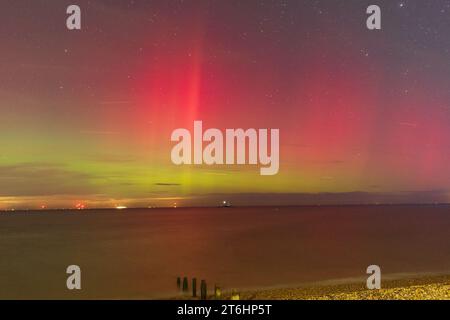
(139,253)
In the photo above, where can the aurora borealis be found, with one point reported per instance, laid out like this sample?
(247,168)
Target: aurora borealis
(86,116)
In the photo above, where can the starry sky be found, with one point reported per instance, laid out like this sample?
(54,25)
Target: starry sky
(86,116)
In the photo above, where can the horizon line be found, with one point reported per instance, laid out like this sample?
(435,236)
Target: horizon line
(234,206)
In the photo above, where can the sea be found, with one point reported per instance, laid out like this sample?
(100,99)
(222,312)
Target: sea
(140,253)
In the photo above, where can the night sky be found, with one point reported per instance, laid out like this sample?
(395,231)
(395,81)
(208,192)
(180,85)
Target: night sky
(86,116)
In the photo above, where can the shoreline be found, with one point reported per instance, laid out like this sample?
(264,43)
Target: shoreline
(394,287)
(405,286)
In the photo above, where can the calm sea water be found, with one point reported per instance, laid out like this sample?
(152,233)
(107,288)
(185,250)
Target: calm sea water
(139,253)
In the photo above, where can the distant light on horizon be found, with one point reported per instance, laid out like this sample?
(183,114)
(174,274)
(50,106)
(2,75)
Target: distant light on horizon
(80,206)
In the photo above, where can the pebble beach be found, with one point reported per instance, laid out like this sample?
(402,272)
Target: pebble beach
(420,288)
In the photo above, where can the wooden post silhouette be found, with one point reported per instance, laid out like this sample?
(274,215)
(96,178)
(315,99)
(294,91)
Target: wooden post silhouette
(194,287)
(185,284)
(203,290)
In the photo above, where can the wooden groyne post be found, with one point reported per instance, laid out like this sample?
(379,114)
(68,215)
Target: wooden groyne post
(179,283)
(194,287)
(185,284)
(203,290)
